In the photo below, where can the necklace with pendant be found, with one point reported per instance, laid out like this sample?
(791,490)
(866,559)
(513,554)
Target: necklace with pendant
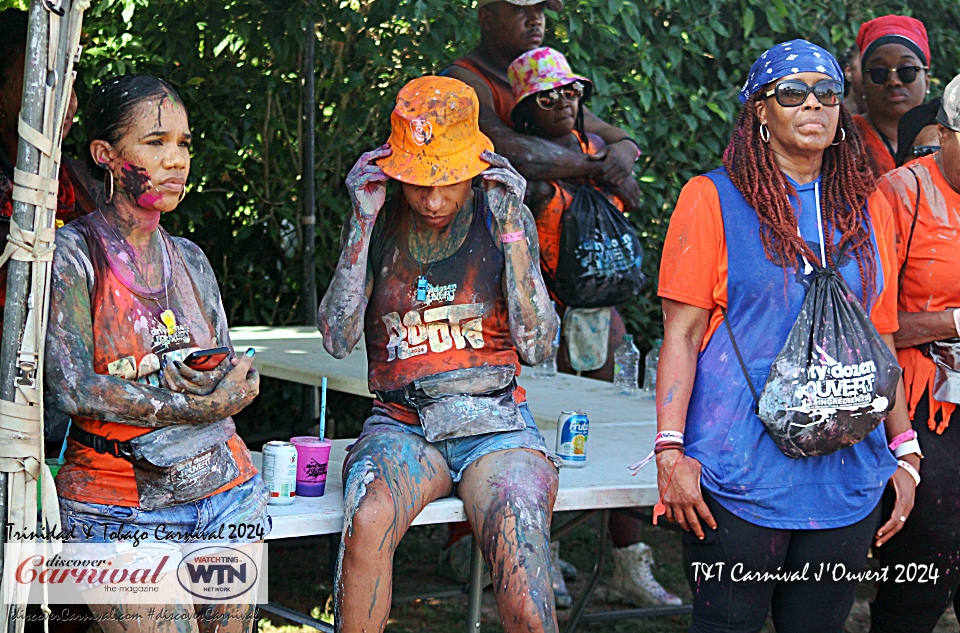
(422,284)
(167,317)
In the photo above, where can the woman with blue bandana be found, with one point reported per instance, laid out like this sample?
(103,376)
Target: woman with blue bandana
(763,531)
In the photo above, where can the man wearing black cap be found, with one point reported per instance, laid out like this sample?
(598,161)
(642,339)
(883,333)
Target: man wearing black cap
(509,28)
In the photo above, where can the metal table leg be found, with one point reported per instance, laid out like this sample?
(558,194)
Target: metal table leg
(476,587)
(581,606)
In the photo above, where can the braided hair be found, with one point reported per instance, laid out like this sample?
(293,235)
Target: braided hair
(847,183)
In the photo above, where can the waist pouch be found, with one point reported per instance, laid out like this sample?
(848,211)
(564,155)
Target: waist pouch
(587,331)
(946,381)
(462,402)
(173,465)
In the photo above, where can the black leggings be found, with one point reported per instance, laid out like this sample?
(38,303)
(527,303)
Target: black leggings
(736,605)
(929,539)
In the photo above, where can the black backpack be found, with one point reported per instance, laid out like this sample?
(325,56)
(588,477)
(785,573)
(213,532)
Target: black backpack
(600,254)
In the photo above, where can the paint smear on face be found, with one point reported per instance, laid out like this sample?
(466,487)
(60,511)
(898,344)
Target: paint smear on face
(136,182)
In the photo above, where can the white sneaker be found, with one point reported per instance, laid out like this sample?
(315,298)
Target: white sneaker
(632,580)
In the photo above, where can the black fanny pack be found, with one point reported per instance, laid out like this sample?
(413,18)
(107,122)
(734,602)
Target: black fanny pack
(173,465)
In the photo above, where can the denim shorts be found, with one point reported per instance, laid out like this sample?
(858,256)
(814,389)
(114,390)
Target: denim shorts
(460,452)
(237,515)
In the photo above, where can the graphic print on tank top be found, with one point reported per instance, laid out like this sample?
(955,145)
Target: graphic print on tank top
(131,332)
(462,320)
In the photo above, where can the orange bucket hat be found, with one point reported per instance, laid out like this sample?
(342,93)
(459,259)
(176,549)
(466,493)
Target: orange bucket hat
(435,134)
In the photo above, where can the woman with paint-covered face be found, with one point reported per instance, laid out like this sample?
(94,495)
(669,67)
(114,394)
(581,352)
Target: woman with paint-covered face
(795,206)
(152,446)
(443,281)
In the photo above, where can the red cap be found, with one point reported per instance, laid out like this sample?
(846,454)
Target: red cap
(898,29)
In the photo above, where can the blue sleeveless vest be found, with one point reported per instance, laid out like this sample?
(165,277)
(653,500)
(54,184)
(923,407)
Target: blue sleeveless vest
(742,468)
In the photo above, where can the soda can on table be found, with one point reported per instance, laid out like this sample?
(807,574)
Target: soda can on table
(280,472)
(573,429)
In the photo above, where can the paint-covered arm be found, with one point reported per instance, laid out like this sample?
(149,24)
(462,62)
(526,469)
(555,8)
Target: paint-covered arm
(340,318)
(79,390)
(917,328)
(533,321)
(684,326)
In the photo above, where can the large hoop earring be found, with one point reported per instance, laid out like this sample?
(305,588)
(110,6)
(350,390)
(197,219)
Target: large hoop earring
(843,137)
(108,176)
(183,194)
(764,133)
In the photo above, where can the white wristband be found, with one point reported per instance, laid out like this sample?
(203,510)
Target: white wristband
(956,320)
(907,466)
(910,447)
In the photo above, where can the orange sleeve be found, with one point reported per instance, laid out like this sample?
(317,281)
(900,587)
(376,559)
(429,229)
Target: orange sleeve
(884,312)
(693,266)
(902,214)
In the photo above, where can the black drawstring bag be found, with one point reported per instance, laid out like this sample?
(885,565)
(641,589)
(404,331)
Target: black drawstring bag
(834,380)
(600,254)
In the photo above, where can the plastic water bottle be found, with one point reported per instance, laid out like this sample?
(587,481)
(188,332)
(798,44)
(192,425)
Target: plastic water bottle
(650,370)
(626,366)
(548,368)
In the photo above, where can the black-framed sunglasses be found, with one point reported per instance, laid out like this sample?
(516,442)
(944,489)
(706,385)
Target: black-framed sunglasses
(550,99)
(924,150)
(793,92)
(907,74)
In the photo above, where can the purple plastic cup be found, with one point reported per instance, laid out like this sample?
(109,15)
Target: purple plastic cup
(313,455)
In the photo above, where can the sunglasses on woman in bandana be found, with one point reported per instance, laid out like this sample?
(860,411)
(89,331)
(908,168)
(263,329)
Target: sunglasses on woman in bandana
(550,99)
(793,92)
(907,74)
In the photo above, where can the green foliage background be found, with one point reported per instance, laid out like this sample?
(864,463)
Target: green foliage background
(668,70)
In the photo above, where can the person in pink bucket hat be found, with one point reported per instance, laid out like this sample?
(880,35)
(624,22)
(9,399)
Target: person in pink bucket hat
(508,29)
(549,106)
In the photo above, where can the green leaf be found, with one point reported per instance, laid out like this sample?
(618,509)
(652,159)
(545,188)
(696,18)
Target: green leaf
(749,20)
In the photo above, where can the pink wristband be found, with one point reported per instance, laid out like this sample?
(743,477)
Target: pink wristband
(906,436)
(506,238)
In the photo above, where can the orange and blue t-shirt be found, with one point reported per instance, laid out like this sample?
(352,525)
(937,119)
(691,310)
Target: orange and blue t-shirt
(713,258)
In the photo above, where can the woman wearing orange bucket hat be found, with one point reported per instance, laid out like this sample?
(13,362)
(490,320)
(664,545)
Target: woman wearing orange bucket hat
(443,281)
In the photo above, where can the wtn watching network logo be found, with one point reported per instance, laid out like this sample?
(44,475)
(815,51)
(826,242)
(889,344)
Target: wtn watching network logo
(218,573)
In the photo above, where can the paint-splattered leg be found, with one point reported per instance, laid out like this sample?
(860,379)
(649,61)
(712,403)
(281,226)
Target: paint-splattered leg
(509,498)
(390,476)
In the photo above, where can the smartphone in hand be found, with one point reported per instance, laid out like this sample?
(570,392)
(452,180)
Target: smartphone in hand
(206,359)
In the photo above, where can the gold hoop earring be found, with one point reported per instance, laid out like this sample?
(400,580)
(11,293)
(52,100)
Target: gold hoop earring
(764,133)
(109,197)
(183,194)
(843,137)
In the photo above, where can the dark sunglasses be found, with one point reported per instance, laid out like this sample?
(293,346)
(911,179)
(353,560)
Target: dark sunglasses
(793,92)
(907,74)
(925,150)
(550,99)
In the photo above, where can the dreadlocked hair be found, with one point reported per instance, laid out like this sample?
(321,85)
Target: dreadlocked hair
(846,184)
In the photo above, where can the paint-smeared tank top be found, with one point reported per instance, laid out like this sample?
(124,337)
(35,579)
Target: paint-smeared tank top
(462,323)
(129,341)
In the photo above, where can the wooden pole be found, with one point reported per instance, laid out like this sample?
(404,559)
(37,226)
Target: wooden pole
(308,219)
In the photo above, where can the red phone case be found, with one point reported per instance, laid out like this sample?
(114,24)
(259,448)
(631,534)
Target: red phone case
(205,360)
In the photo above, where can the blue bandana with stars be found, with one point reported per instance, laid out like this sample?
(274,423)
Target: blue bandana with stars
(789,58)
